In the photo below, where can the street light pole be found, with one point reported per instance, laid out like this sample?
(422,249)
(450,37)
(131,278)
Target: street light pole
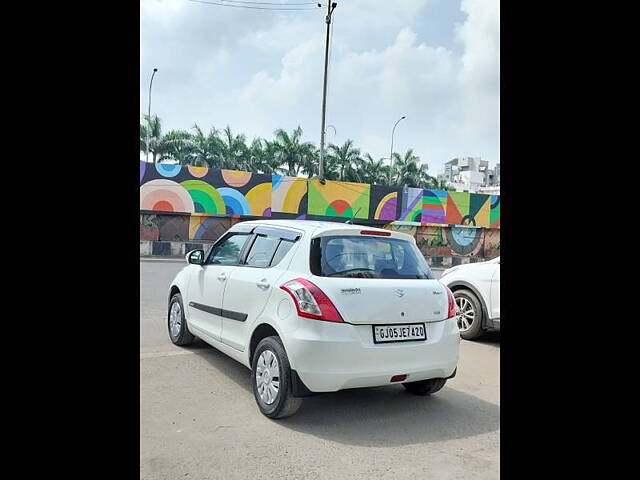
(330,7)
(391,154)
(149,114)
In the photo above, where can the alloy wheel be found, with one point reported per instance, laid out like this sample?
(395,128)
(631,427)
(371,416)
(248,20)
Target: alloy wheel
(175,319)
(466,312)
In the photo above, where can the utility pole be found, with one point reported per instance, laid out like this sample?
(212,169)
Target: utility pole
(330,7)
(149,114)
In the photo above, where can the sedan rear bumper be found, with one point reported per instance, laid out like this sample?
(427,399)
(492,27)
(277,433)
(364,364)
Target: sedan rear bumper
(333,356)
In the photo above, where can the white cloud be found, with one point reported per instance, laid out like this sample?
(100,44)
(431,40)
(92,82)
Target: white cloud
(258,72)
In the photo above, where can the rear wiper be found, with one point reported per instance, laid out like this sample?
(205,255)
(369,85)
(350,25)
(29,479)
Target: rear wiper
(351,270)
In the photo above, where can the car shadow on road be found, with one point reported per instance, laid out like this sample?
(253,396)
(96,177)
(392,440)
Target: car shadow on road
(391,416)
(489,338)
(381,416)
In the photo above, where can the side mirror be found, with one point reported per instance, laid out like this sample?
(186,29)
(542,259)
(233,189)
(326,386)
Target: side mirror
(195,257)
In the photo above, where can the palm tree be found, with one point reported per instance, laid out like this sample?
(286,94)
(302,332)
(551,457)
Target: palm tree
(293,153)
(177,145)
(369,170)
(439,184)
(151,133)
(343,160)
(207,149)
(234,150)
(407,171)
(310,160)
(261,157)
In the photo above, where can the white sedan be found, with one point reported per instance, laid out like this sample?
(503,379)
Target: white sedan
(315,307)
(476,289)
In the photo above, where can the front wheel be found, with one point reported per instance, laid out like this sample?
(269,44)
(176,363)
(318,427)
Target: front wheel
(271,380)
(178,331)
(425,387)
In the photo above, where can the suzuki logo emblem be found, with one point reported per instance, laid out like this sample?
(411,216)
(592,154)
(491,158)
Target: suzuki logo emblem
(399,292)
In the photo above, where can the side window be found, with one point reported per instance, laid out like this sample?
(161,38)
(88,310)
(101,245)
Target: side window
(262,251)
(227,252)
(283,248)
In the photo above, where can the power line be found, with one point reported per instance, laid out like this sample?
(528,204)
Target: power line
(252,7)
(269,3)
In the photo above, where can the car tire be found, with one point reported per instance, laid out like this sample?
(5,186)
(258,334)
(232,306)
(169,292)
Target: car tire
(425,387)
(283,403)
(177,325)
(471,303)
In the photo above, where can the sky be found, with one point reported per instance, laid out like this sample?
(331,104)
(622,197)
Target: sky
(435,61)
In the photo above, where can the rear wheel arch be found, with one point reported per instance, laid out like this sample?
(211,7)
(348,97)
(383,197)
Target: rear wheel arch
(467,286)
(263,330)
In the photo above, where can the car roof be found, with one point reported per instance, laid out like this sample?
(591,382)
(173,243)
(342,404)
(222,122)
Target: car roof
(310,226)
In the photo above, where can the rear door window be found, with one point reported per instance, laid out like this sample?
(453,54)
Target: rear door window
(354,256)
(282,250)
(262,251)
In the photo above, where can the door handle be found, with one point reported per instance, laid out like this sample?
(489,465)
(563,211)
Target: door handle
(263,284)
(222,277)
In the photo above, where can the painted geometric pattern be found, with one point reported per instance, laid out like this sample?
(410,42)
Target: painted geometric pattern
(411,205)
(287,193)
(188,189)
(383,203)
(434,206)
(457,208)
(494,216)
(207,228)
(338,199)
(165,196)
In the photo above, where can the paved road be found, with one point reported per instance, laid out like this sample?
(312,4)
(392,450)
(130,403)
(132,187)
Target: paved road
(198,418)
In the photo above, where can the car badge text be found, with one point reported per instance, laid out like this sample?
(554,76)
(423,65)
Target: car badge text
(350,291)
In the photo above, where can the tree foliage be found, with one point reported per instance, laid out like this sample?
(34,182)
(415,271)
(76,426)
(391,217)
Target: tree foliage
(285,154)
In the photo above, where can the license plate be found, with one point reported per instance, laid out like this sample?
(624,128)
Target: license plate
(399,333)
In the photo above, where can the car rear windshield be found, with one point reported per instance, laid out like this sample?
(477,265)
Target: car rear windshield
(352,256)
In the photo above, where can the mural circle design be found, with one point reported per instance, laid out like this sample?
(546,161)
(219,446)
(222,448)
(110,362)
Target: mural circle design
(235,202)
(339,208)
(168,170)
(235,178)
(206,198)
(465,240)
(468,221)
(198,172)
(165,195)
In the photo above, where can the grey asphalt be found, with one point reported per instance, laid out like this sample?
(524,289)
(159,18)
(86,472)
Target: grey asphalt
(198,418)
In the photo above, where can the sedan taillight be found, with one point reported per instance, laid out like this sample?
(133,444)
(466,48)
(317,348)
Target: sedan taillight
(310,301)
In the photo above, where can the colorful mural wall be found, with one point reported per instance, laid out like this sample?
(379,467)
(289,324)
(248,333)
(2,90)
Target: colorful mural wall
(453,241)
(205,194)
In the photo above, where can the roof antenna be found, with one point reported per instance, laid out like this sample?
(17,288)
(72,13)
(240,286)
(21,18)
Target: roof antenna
(354,216)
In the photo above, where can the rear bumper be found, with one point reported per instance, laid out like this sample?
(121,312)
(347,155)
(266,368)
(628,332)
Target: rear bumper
(332,356)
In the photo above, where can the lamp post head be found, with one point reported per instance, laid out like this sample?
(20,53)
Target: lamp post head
(155,69)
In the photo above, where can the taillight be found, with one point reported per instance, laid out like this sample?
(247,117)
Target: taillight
(310,301)
(452,303)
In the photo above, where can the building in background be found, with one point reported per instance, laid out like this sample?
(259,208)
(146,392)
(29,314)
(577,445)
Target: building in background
(471,174)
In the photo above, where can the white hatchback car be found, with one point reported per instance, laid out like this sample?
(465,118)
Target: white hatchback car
(476,288)
(316,307)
